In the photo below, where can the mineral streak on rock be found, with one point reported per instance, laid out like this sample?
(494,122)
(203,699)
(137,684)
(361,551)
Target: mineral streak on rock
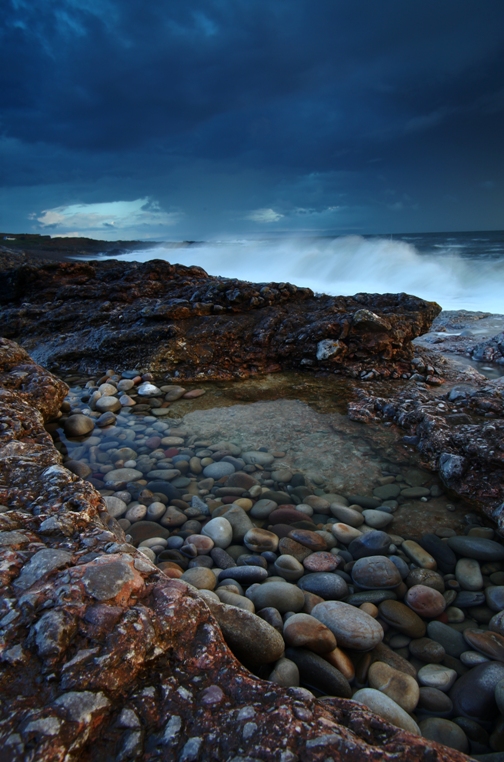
(167,317)
(104,658)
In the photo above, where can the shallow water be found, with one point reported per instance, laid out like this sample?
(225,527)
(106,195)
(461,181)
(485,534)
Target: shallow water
(304,417)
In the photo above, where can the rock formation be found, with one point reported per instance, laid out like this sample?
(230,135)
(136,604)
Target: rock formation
(459,433)
(179,320)
(103,657)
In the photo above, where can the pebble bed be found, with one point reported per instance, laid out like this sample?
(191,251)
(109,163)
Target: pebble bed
(310,588)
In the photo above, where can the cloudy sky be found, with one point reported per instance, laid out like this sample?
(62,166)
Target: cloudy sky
(207,118)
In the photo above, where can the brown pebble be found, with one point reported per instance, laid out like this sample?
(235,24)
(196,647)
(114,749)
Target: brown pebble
(309,539)
(321,562)
(339,659)
(425,601)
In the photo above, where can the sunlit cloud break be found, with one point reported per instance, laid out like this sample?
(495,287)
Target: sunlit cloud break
(264,215)
(112,215)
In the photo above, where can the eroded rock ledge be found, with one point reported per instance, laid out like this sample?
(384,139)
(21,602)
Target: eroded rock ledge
(104,658)
(459,433)
(175,319)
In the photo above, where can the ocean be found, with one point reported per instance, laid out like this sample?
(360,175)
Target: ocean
(456,270)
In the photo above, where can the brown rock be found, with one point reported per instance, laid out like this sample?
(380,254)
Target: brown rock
(401,688)
(490,644)
(425,601)
(427,577)
(381,652)
(311,540)
(304,631)
(402,618)
(292,548)
(321,562)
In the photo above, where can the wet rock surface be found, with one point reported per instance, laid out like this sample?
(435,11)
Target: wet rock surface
(106,657)
(165,317)
(458,432)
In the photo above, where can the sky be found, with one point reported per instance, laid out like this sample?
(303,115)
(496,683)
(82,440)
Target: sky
(206,119)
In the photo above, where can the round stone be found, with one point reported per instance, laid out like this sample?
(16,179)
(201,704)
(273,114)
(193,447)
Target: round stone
(321,561)
(427,650)
(347,515)
(115,506)
(317,673)
(287,514)
(473,694)
(78,425)
(477,547)
(387,491)
(418,555)
(377,519)
(451,640)
(304,631)
(426,578)
(373,543)
(218,470)
(220,531)
(263,508)
(155,510)
(260,540)
(309,539)
(136,513)
(490,644)
(198,576)
(345,533)
(107,405)
(352,627)
(107,390)
(495,597)
(173,518)
(386,708)
(443,554)
(425,601)
(239,520)
(330,587)
(468,574)
(285,673)
(434,701)
(245,575)
(254,457)
(499,696)
(289,568)
(319,504)
(402,618)
(376,572)
(279,595)
(203,544)
(78,467)
(415,492)
(121,476)
(252,639)
(437,676)
(144,530)
(496,623)
(445,732)
(472,658)
(149,390)
(401,688)
(105,419)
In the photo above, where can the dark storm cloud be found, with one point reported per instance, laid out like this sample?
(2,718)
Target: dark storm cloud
(310,104)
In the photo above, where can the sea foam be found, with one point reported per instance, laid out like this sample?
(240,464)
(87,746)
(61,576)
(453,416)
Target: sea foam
(347,265)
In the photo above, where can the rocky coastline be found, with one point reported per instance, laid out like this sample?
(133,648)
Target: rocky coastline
(81,657)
